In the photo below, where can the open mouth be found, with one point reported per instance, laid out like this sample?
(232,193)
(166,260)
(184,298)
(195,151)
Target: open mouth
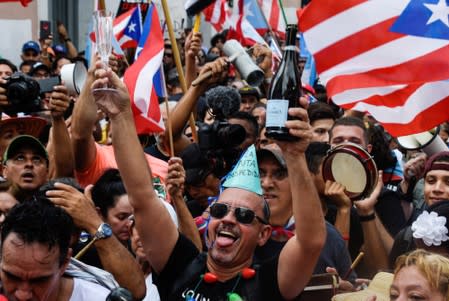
(225,238)
(28,176)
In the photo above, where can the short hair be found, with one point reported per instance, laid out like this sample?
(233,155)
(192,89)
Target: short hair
(54,64)
(106,190)
(434,267)
(39,221)
(350,121)
(248,117)
(27,63)
(315,153)
(8,63)
(320,110)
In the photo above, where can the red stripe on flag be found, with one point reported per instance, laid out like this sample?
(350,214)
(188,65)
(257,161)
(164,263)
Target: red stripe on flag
(428,68)
(318,11)
(422,122)
(354,45)
(138,79)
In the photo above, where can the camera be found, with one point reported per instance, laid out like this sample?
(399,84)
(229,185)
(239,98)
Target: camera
(24,92)
(220,134)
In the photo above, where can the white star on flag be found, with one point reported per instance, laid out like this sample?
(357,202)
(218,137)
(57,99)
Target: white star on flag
(440,12)
(132,27)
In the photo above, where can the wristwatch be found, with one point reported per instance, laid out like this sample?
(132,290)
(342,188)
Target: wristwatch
(103,231)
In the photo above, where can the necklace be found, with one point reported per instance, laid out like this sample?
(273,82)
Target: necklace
(211,278)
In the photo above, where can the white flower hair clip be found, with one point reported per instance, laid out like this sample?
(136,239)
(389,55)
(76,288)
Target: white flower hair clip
(430,228)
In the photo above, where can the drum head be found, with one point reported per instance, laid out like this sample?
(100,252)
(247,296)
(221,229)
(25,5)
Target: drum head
(350,172)
(353,167)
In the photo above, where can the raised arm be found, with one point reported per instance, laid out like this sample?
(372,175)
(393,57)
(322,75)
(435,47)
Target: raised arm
(150,214)
(181,112)
(59,145)
(114,257)
(299,256)
(175,187)
(84,117)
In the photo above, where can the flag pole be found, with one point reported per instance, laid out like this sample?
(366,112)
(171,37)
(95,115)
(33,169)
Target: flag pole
(283,12)
(177,57)
(270,29)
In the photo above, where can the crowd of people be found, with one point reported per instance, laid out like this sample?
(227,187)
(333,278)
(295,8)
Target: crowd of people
(213,210)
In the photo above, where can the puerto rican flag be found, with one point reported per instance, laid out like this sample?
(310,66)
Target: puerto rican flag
(217,14)
(385,57)
(127,28)
(272,12)
(243,31)
(144,76)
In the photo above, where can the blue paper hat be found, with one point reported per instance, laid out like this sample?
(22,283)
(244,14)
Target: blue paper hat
(245,174)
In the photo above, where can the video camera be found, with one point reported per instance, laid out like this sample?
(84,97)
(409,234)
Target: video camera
(218,141)
(24,92)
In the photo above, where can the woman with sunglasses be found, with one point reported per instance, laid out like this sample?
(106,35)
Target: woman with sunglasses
(226,271)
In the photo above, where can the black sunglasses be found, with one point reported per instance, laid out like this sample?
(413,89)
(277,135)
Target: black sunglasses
(242,215)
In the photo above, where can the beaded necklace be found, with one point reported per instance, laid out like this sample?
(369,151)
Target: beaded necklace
(211,278)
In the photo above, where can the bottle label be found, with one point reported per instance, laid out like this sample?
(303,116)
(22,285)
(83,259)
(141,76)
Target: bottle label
(277,112)
(291,48)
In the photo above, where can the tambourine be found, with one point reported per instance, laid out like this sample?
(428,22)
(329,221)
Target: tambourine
(353,167)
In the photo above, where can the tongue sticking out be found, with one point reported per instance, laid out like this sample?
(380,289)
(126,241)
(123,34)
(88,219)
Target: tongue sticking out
(223,241)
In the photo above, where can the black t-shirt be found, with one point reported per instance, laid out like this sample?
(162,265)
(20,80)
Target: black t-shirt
(334,253)
(182,274)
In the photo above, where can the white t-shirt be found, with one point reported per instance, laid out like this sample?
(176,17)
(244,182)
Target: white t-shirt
(87,291)
(152,292)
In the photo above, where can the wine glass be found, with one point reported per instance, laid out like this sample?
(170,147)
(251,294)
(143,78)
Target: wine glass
(103,39)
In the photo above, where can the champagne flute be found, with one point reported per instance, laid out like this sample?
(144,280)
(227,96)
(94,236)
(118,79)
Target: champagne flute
(103,38)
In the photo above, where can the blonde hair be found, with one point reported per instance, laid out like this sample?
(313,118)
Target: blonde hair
(433,266)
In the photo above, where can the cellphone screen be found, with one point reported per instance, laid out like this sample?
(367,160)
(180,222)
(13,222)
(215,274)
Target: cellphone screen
(45,29)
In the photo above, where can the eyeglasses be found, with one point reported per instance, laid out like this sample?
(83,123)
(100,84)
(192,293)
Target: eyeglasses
(242,215)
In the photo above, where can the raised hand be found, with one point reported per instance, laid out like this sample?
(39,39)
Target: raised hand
(80,206)
(298,127)
(176,177)
(114,103)
(366,206)
(193,44)
(59,101)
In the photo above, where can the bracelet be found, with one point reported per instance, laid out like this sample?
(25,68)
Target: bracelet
(267,80)
(67,40)
(367,218)
(345,237)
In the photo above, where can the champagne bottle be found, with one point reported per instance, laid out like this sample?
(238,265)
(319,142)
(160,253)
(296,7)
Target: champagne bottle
(285,90)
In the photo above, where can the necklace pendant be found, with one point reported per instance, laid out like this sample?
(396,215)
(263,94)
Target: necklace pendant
(210,278)
(248,273)
(234,297)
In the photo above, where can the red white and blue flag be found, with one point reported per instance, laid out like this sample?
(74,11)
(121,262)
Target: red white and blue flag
(250,9)
(144,75)
(217,14)
(272,12)
(388,58)
(243,31)
(127,28)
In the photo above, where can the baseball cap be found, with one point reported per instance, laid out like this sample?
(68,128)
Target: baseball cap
(272,150)
(195,164)
(59,49)
(433,162)
(25,140)
(248,90)
(38,66)
(31,45)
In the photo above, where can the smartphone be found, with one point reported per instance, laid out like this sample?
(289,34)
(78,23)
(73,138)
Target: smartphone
(45,29)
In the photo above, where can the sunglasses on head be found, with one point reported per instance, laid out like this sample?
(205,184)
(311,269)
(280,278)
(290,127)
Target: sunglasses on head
(242,215)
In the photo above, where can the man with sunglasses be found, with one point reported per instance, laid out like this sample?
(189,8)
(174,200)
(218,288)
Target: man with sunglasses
(237,224)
